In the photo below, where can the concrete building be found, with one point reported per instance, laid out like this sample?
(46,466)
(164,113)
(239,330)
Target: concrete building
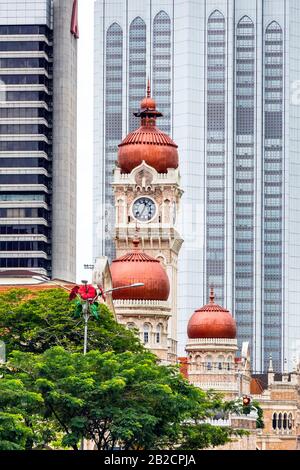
(38,81)
(225,75)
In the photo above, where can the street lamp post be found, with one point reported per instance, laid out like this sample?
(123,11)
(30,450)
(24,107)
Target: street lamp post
(86,305)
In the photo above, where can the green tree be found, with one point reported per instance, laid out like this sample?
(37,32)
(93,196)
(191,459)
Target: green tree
(18,408)
(125,400)
(34,321)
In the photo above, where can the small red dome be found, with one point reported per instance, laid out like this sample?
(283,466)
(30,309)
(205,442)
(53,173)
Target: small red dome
(212,321)
(148,103)
(148,143)
(138,267)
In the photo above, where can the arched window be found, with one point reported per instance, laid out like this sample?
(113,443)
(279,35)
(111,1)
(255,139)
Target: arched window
(290,421)
(284,423)
(215,153)
(162,85)
(137,69)
(208,361)
(274,421)
(198,360)
(280,421)
(166,211)
(221,362)
(158,333)
(146,333)
(229,362)
(131,326)
(120,213)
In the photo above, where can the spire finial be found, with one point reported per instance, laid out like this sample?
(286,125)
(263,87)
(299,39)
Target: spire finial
(270,369)
(212,295)
(148,88)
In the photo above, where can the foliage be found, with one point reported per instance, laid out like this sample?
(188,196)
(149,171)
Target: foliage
(204,435)
(237,407)
(17,408)
(116,396)
(123,400)
(33,321)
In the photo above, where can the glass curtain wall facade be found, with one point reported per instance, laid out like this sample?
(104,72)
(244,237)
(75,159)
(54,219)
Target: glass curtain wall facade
(225,74)
(135,48)
(26,53)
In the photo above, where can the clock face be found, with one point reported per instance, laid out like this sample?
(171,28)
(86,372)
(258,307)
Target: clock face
(144,209)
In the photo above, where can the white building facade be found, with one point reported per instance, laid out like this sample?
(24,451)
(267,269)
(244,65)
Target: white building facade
(225,74)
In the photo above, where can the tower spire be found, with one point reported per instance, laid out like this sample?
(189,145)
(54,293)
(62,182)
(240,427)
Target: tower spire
(212,295)
(148,88)
(270,369)
(148,112)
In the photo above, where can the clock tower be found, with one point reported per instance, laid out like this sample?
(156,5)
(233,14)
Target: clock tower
(147,197)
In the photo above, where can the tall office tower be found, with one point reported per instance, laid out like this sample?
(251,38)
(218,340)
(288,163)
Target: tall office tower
(225,73)
(38,61)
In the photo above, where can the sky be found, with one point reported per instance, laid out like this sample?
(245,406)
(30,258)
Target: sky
(85,139)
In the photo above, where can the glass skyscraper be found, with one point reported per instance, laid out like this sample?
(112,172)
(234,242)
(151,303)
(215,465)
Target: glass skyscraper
(37,137)
(225,74)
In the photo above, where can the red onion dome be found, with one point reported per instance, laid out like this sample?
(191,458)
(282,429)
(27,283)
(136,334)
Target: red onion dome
(212,321)
(138,267)
(148,143)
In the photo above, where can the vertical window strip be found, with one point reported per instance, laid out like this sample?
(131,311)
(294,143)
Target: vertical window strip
(113,122)
(137,69)
(273,194)
(162,68)
(244,177)
(215,157)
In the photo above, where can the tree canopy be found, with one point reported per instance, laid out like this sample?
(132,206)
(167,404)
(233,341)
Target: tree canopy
(34,321)
(123,400)
(115,396)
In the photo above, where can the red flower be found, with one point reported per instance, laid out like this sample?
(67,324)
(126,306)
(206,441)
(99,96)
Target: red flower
(87,292)
(74,293)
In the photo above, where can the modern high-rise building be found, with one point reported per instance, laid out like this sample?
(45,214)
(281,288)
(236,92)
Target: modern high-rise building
(38,89)
(225,74)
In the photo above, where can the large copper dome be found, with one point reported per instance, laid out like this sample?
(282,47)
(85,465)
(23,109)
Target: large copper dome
(212,321)
(148,143)
(138,267)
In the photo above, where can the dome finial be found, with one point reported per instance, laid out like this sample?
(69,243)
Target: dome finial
(148,88)
(212,295)
(270,368)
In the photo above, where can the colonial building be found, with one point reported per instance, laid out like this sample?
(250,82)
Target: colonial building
(212,361)
(147,194)
(279,397)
